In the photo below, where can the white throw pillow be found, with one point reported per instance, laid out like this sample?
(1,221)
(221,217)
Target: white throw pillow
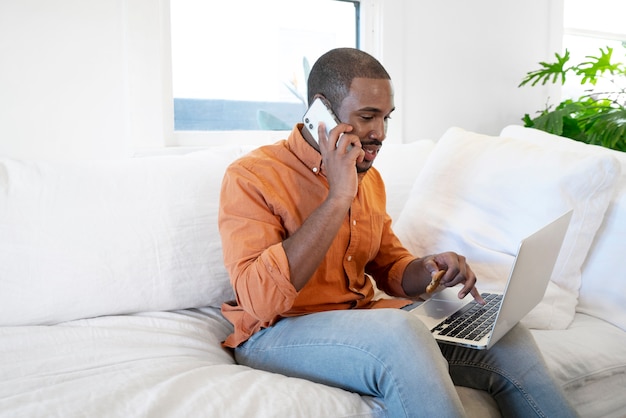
(480,195)
(399,165)
(90,238)
(603,289)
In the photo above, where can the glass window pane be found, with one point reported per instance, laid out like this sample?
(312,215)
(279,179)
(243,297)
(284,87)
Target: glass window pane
(240,65)
(581,47)
(587,29)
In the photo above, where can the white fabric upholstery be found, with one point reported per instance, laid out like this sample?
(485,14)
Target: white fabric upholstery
(480,195)
(588,360)
(399,165)
(82,239)
(153,364)
(603,290)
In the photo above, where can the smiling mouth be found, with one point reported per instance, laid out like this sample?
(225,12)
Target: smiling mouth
(371,150)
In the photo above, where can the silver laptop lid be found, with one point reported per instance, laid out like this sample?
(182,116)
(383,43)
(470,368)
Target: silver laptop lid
(530,274)
(528,279)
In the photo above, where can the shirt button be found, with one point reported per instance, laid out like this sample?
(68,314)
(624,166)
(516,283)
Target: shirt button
(354,223)
(315,169)
(349,258)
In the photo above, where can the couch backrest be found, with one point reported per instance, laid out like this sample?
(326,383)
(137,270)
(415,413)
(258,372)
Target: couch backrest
(82,239)
(603,290)
(86,238)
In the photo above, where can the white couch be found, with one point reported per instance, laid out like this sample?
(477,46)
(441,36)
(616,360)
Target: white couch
(111,275)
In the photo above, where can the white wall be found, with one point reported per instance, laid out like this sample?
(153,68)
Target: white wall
(463,61)
(90,78)
(81,78)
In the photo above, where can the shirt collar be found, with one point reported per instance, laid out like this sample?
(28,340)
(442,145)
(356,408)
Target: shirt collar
(304,151)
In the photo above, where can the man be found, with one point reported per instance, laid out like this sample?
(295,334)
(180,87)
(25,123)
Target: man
(304,227)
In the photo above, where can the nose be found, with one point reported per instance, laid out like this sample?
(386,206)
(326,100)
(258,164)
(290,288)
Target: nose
(379,132)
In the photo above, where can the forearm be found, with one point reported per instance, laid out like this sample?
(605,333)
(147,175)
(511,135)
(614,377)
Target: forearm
(307,247)
(416,277)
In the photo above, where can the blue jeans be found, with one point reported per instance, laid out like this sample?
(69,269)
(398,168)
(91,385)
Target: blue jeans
(390,355)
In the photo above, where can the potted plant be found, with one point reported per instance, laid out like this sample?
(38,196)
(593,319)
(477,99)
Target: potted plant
(597,117)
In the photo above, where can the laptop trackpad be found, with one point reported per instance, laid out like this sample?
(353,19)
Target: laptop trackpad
(438,309)
(439,306)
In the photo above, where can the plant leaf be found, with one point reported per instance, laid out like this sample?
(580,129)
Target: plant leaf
(608,129)
(595,118)
(596,66)
(555,70)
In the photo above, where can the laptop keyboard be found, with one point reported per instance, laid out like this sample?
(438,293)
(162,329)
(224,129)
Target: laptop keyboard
(473,321)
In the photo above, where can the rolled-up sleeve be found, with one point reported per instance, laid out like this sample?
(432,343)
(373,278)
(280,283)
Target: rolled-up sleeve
(252,238)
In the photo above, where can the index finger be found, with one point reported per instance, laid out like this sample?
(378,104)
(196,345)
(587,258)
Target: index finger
(474,292)
(323,137)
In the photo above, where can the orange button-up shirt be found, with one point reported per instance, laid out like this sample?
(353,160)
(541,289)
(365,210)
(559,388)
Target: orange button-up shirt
(266,196)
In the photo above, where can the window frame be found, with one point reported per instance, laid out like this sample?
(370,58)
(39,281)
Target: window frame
(613,36)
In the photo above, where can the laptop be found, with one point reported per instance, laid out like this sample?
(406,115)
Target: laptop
(469,324)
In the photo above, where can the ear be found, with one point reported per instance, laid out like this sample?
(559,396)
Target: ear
(322,98)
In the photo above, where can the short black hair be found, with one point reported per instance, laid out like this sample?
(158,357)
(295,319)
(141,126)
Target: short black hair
(333,72)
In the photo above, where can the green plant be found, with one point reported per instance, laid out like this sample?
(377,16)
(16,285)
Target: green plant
(597,117)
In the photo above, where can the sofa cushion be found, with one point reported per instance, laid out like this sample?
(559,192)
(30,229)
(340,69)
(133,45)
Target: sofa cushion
(603,289)
(152,364)
(480,195)
(399,165)
(88,238)
(589,361)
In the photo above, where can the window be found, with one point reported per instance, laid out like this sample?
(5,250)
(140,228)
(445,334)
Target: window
(241,65)
(589,26)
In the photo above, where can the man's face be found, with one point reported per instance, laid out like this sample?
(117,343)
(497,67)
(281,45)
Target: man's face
(367,108)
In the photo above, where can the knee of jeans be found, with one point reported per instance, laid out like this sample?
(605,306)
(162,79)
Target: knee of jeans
(403,336)
(396,323)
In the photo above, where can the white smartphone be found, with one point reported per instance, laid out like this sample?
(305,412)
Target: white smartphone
(319,112)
